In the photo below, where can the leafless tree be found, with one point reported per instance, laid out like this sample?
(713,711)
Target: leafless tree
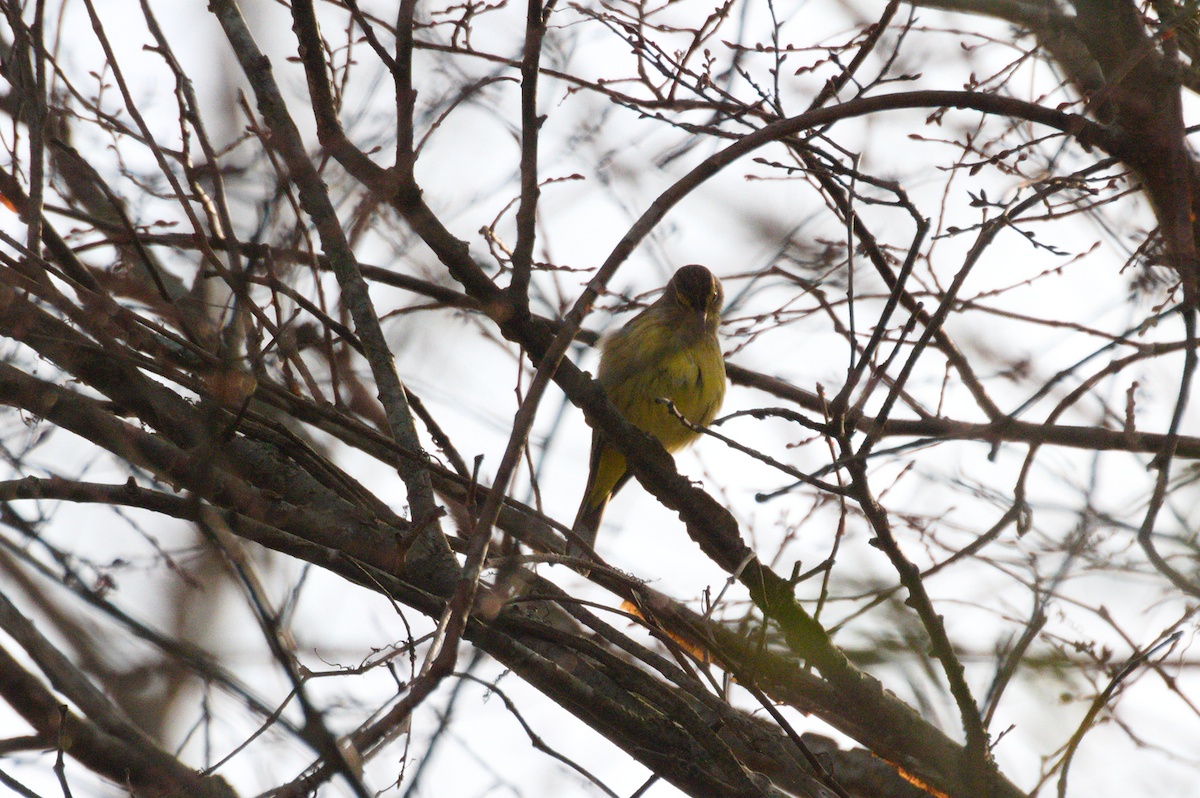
(294,310)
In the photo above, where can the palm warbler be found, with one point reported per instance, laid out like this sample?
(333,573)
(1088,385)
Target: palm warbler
(668,351)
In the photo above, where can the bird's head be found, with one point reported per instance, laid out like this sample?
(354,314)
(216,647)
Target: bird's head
(697,290)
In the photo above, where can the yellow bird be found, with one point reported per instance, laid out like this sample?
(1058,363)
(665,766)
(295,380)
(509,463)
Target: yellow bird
(668,351)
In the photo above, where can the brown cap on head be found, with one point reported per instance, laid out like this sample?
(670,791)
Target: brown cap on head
(698,287)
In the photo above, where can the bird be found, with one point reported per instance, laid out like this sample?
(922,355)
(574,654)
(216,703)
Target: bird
(668,351)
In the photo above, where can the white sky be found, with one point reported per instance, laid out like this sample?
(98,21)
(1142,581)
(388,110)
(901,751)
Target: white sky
(468,169)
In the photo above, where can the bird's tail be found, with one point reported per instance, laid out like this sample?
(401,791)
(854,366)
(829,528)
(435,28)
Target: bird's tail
(605,477)
(587,524)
